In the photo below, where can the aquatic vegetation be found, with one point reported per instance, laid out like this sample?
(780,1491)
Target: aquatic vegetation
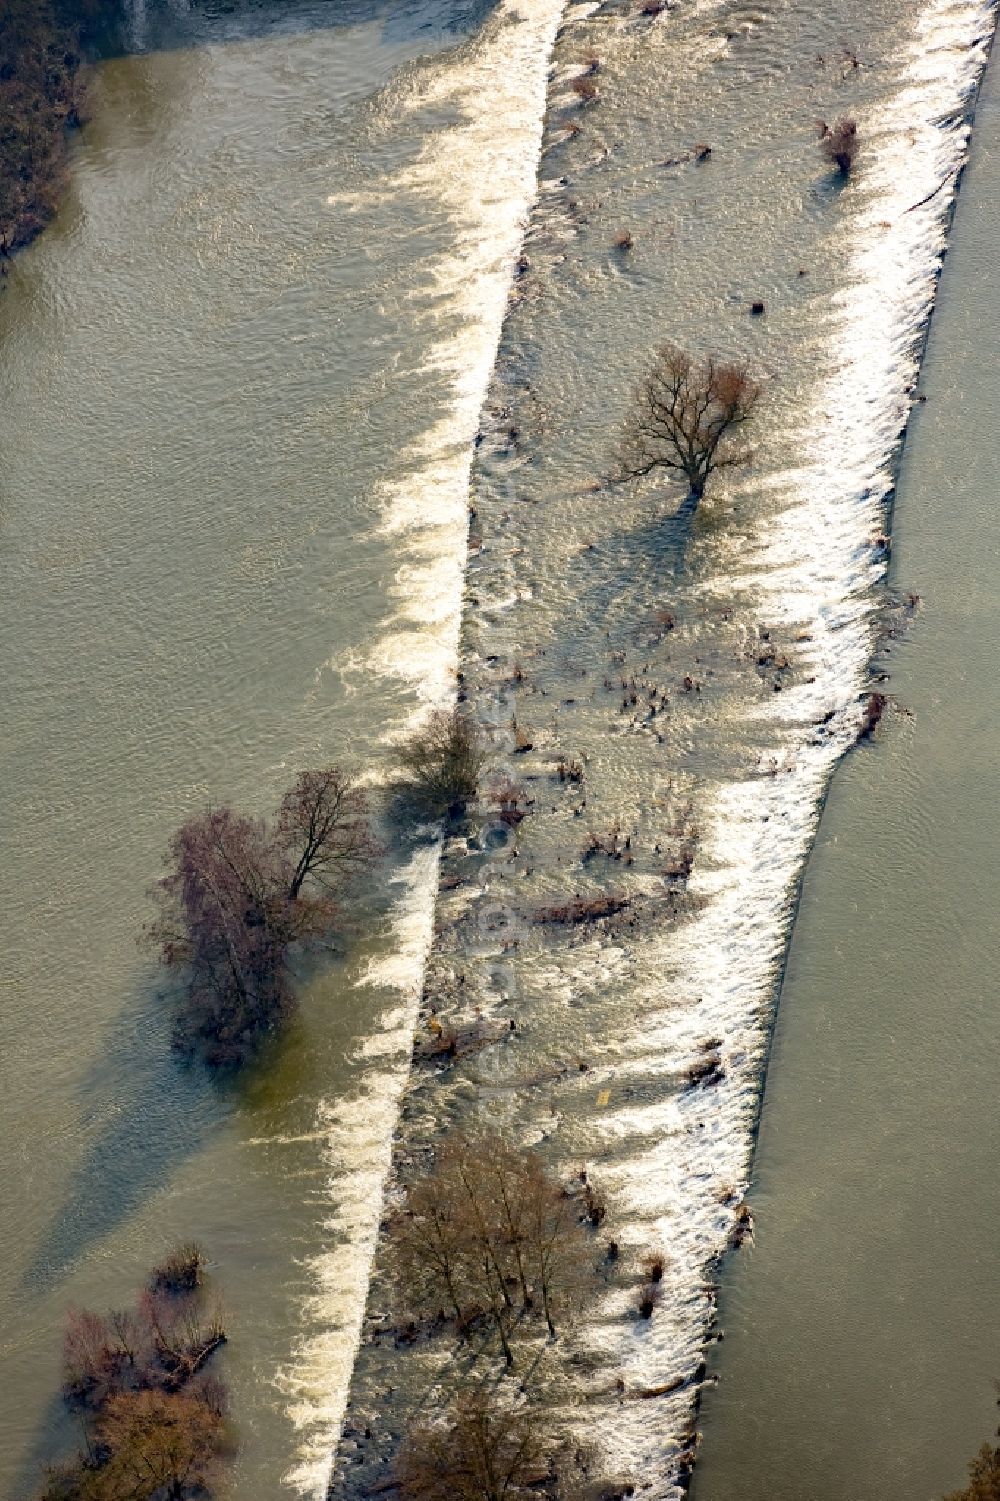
(685,416)
(240,892)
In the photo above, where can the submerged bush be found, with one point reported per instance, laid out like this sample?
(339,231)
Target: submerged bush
(839,144)
(181,1271)
(442,762)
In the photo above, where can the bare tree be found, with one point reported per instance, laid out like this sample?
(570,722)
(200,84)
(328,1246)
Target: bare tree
(323,825)
(483,1451)
(685,417)
(489,1234)
(240,891)
(984,1475)
(443,761)
(94,1356)
(158,1444)
(163,1344)
(429,1241)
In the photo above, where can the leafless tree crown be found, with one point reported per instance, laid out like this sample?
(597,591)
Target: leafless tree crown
(686,415)
(240,891)
(443,760)
(489,1235)
(483,1451)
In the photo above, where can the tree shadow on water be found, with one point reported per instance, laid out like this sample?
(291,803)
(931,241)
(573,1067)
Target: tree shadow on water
(57,1433)
(164,25)
(143,1111)
(637,562)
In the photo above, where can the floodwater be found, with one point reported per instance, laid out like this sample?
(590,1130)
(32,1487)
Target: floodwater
(706,677)
(239,384)
(862,1327)
(242,382)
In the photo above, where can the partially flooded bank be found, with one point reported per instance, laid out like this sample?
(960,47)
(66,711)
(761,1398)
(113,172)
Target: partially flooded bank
(863,1327)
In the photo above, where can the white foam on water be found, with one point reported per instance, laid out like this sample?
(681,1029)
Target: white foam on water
(686,1159)
(356,1137)
(480,175)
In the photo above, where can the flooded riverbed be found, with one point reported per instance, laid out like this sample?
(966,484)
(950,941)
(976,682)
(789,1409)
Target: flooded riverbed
(862,1329)
(704,678)
(242,380)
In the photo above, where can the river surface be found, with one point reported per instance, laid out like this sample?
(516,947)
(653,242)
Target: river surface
(240,385)
(862,1327)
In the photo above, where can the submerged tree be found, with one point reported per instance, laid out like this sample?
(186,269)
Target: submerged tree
(984,1476)
(839,144)
(162,1344)
(685,417)
(160,1442)
(484,1450)
(488,1234)
(153,1416)
(240,892)
(443,761)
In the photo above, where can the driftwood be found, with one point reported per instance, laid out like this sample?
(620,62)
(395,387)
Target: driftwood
(872,714)
(187,1366)
(581,910)
(707,1071)
(449,1042)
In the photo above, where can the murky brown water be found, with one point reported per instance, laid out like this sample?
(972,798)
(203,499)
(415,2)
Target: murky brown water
(863,1327)
(241,380)
(238,389)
